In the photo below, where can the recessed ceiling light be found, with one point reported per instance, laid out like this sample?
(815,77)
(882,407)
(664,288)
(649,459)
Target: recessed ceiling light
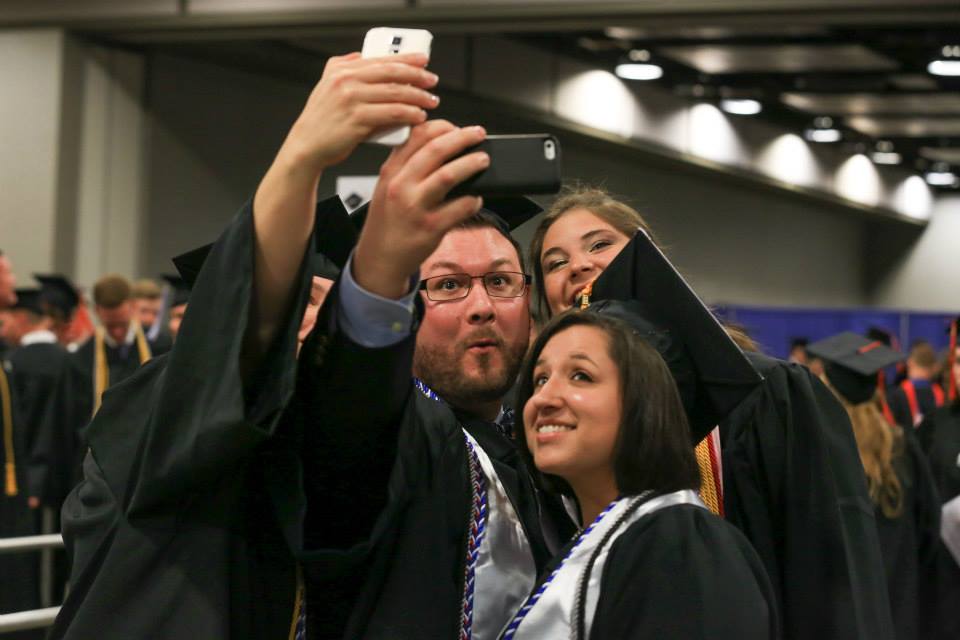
(941,178)
(944,67)
(635,71)
(823,135)
(741,107)
(886,157)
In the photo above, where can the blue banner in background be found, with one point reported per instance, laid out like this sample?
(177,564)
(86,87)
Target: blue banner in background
(774,328)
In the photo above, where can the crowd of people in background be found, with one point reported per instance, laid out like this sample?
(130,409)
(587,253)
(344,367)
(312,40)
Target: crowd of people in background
(359,430)
(59,357)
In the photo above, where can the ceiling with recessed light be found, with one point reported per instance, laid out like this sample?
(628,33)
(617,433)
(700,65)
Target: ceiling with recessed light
(862,72)
(873,86)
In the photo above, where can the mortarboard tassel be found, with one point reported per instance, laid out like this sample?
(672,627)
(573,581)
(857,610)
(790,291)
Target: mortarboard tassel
(10,484)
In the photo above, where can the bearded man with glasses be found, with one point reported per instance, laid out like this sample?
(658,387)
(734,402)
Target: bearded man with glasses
(416,477)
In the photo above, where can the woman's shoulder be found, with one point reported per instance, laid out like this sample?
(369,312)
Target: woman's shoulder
(682,536)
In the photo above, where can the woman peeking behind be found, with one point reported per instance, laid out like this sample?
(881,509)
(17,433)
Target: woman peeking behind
(604,426)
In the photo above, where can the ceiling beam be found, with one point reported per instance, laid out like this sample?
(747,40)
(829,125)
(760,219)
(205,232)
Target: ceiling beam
(479,17)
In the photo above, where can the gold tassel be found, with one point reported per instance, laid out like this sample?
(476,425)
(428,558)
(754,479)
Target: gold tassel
(101,372)
(708,481)
(585,296)
(143,347)
(10,484)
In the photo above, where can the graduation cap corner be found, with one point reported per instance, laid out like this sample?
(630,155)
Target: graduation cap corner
(714,376)
(853,362)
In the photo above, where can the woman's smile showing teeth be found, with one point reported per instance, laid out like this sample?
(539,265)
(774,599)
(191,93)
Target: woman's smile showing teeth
(553,428)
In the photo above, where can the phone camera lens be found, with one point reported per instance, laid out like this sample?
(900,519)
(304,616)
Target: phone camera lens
(549,150)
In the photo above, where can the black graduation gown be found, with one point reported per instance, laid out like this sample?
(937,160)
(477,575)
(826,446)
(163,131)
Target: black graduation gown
(172,533)
(794,485)
(900,406)
(909,542)
(940,435)
(388,492)
(161,344)
(43,390)
(19,575)
(122,361)
(681,572)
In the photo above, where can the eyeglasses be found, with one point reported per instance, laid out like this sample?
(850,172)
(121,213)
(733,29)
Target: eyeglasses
(454,286)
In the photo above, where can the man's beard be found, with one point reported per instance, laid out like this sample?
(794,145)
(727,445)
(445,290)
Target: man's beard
(440,367)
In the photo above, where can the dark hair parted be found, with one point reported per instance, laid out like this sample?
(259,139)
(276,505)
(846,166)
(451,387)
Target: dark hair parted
(652,449)
(617,214)
(483,219)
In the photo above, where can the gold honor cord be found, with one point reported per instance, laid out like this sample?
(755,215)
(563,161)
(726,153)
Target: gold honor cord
(708,474)
(708,481)
(101,371)
(10,486)
(297,604)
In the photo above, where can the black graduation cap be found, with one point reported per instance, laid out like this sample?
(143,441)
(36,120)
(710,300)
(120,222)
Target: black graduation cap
(509,212)
(181,292)
(29,300)
(853,362)
(879,334)
(711,372)
(334,238)
(58,292)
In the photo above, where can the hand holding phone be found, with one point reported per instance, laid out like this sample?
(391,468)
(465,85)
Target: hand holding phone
(387,41)
(519,165)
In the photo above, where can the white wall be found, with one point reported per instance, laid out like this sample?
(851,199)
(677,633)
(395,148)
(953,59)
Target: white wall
(115,161)
(925,275)
(31,71)
(213,136)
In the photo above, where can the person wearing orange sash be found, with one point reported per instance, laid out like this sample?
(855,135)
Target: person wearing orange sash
(919,394)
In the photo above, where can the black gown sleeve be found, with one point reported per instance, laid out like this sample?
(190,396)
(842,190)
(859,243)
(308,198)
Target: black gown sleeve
(683,573)
(351,400)
(899,407)
(198,420)
(794,485)
(169,515)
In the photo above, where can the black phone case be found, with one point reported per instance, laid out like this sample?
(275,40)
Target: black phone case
(518,166)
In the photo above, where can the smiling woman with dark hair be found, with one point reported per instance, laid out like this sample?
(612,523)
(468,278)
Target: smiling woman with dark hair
(782,465)
(603,423)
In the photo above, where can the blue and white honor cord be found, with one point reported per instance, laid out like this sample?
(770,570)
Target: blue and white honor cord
(476,526)
(532,600)
(301,630)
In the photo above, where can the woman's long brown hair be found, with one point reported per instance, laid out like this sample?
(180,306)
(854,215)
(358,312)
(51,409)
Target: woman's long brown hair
(879,443)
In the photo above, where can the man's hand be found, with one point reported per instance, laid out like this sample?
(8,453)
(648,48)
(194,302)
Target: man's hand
(409,214)
(354,98)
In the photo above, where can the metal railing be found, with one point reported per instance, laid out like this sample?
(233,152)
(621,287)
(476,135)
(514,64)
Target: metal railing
(23,620)
(36,618)
(31,543)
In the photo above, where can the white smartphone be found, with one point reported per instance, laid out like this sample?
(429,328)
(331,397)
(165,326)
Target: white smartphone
(386,41)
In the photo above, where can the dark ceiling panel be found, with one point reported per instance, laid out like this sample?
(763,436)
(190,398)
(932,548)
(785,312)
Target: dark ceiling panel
(874,104)
(894,127)
(950,155)
(778,58)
